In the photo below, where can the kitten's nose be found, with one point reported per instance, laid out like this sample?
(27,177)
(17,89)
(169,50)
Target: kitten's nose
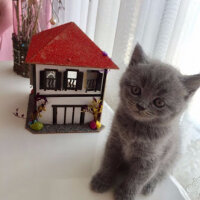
(139,107)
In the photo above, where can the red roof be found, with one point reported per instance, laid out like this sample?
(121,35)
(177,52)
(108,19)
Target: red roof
(67,45)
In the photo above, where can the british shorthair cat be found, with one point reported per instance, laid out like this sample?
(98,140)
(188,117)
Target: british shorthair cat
(145,139)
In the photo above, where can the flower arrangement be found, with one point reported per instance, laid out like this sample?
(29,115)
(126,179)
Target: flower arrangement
(95,108)
(34,122)
(25,25)
(25,18)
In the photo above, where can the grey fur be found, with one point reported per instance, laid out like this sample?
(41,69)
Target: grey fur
(144,140)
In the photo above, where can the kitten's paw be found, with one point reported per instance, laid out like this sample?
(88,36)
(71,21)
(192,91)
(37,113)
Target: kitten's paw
(148,189)
(100,183)
(123,194)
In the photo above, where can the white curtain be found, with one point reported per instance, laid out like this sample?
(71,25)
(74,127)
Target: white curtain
(122,47)
(82,12)
(138,21)
(178,42)
(181,48)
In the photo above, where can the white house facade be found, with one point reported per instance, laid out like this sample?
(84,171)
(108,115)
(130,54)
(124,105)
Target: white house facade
(68,90)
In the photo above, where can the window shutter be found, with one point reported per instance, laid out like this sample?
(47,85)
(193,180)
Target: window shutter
(42,79)
(79,81)
(58,80)
(31,74)
(99,82)
(65,80)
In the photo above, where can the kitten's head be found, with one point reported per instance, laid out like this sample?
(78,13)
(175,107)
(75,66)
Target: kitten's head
(152,91)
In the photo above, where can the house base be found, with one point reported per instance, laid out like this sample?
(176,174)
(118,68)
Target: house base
(58,128)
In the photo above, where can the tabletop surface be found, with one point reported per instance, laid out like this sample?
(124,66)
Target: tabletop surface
(51,166)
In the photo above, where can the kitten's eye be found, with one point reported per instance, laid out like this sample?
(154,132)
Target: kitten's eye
(136,90)
(158,102)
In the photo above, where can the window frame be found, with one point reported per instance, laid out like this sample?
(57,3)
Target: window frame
(43,80)
(46,70)
(96,81)
(65,79)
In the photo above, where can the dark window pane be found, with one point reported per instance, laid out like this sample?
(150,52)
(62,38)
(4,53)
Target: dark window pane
(92,80)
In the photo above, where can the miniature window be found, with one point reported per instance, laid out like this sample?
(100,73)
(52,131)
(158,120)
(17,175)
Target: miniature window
(94,81)
(72,80)
(50,80)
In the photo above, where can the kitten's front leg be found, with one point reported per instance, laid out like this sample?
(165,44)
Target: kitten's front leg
(106,175)
(151,185)
(140,172)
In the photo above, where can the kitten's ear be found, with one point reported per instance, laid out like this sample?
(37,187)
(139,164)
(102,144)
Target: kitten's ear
(138,56)
(191,83)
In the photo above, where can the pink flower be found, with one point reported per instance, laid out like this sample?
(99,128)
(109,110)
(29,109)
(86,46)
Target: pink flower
(93,125)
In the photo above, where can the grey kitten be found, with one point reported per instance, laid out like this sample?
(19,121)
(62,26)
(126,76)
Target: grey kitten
(144,140)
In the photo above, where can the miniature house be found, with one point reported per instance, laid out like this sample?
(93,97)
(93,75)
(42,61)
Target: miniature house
(69,70)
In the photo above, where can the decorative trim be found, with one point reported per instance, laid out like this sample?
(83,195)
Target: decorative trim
(104,84)
(103,87)
(73,115)
(65,115)
(71,95)
(34,79)
(77,70)
(47,69)
(34,85)
(82,118)
(63,106)
(54,115)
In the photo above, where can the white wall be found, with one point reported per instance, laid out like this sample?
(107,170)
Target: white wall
(62,69)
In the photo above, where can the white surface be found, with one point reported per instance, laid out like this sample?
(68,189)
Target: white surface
(52,166)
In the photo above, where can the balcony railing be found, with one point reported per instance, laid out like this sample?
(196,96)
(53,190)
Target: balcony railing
(71,83)
(50,83)
(91,85)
